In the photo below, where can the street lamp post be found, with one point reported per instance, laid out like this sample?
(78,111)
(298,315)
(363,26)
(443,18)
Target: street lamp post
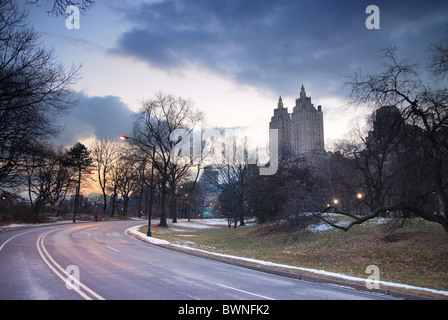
(78,187)
(188,207)
(149,234)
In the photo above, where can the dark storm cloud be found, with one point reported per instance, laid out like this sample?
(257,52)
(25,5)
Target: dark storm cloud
(279,44)
(103,117)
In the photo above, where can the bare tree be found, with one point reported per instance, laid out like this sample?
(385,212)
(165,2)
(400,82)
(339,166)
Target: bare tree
(439,62)
(163,133)
(47,180)
(234,181)
(235,175)
(127,177)
(105,154)
(34,90)
(290,195)
(59,7)
(423,109)
(63,180)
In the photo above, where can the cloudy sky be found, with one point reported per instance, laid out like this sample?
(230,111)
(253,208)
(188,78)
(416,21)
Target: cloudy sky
(233,58)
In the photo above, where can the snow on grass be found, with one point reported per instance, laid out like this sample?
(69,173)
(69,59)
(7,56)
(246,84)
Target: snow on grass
(320,227)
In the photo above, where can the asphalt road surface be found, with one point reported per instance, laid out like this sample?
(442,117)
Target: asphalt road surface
(99,261)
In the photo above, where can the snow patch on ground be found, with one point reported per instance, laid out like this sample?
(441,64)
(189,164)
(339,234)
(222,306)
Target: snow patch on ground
(320,227)
(15,225)
(134,231)
(29,225)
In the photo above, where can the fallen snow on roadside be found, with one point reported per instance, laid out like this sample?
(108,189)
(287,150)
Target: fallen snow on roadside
(26,225)
(15,225)
(134,231)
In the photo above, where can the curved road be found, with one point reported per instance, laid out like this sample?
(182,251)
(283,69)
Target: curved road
(44,263)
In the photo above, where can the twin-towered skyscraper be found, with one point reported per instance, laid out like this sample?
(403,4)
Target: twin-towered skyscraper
(301,131)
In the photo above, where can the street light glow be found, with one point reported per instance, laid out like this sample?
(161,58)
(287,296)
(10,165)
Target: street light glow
(123,138)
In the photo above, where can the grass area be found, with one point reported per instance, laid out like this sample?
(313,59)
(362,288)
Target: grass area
(416,254)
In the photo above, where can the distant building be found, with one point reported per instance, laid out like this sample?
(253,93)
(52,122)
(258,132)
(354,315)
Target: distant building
(386,122)
(209,179)
(299,132)
(282,121)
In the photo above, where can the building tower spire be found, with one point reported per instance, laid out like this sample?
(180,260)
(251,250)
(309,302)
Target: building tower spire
(280,103)
(302,92)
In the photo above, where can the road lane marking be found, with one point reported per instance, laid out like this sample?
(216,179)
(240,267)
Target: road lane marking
(64,275)
(113,249)
(82,294)
(4,243)
(243,291)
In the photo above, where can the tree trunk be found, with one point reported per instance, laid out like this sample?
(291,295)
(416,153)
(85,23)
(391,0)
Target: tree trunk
(173,209)
(125,206)
(163,192)
(104,203)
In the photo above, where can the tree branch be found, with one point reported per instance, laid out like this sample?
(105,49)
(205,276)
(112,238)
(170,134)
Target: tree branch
(434,217)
